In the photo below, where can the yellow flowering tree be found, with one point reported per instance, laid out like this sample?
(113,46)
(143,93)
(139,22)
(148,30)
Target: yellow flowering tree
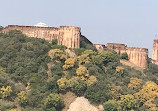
(91,80)
(6,91)
(128,102)
(63,84)
(148,93)
(82,72)
(22,98)
(135,83)
(119,70)
(69,63)
(83,59)
(57,54)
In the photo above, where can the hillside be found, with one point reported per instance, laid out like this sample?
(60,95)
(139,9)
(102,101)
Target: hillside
(40,76)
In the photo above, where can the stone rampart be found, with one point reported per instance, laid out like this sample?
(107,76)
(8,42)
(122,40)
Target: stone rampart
(66,35)
(138,56)
(155,51)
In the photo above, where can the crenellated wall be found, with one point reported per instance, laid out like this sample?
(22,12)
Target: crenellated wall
(66,35)
(99,47)
(137,56)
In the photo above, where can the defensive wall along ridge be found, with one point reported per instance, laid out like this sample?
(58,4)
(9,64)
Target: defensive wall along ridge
(66,35)
(70,36)
(137,56)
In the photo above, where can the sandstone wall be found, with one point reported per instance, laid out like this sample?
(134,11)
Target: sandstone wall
(137,56)
(155,51)
(66,35)
(119,48)
(99,47)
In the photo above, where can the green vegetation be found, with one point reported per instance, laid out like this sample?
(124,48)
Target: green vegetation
(35,74)
(124,56)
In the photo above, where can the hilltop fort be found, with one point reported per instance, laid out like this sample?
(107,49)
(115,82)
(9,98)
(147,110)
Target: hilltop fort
(71,36)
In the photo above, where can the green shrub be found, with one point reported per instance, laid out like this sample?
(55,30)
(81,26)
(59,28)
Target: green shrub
(124,56)
(110,105)
(79,51)
(98,92)
(61,47)
(54,42)
(1,28)
(79,87)
(87,46)
(54,100)
(51,109)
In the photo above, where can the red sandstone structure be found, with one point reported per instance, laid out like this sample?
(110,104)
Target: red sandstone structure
(66,35)
(99,47)
(137,56)
(155,52)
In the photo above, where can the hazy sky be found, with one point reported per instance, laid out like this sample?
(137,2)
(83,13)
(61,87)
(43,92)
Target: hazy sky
(133,22)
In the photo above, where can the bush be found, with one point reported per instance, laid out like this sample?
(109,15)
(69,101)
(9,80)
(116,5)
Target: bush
(98,92)
(153,68)
(124,56)
(54,100)
(54,42)
(79,87)
(79,51)
(87,46)
(110,105)
(61,47)
(1,28)
(51,109)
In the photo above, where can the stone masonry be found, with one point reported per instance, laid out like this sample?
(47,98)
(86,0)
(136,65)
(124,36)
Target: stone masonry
(155,52)
(137,56)
(66,35)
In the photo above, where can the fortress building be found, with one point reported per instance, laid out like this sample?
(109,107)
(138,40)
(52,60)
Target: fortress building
(66,35)
(137,56)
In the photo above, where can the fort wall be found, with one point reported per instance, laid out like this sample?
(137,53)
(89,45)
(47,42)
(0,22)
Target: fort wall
(66,35)
(137,56)
(155,51)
